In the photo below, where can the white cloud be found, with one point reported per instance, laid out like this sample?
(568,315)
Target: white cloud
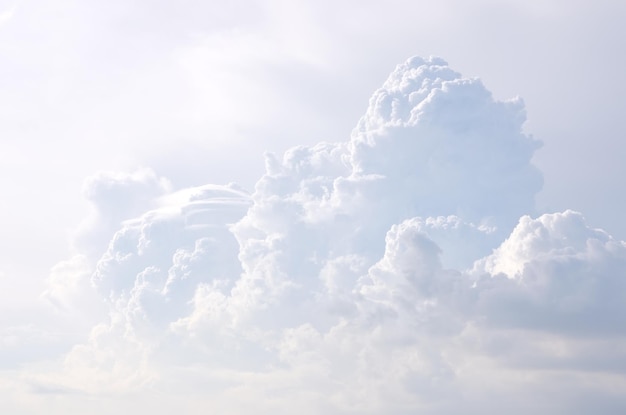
(557,274)
(390,273)
(118,194)
(196,91)
(90,87)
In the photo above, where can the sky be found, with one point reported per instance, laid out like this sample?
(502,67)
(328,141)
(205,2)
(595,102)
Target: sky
(331,207)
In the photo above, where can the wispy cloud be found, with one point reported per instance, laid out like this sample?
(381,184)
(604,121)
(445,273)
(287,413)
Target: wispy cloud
(7,14)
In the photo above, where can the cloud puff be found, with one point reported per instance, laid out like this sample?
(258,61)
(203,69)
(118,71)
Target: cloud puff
(188,225)
(446,146)
(390,273)
(558,274)
(115,197)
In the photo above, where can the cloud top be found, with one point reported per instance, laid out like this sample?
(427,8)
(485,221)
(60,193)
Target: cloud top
(447,144)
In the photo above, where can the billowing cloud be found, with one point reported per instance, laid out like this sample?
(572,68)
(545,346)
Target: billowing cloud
(396,272)
(557,274)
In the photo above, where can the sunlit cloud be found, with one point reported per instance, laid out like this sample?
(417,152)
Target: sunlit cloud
(401,270)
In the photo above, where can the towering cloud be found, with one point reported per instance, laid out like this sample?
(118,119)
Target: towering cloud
(396,272)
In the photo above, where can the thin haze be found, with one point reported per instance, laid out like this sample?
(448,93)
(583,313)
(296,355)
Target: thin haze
(411,242)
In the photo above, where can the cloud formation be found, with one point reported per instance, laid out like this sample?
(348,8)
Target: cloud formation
(396,272)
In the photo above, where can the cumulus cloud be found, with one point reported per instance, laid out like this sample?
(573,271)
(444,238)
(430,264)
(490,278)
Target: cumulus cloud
(392,273)
(114,197)
(559,275)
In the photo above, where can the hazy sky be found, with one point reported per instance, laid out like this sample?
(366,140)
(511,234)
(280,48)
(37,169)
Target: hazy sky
(365,274)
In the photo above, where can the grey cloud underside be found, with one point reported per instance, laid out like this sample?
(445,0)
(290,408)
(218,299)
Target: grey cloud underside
(389,273)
